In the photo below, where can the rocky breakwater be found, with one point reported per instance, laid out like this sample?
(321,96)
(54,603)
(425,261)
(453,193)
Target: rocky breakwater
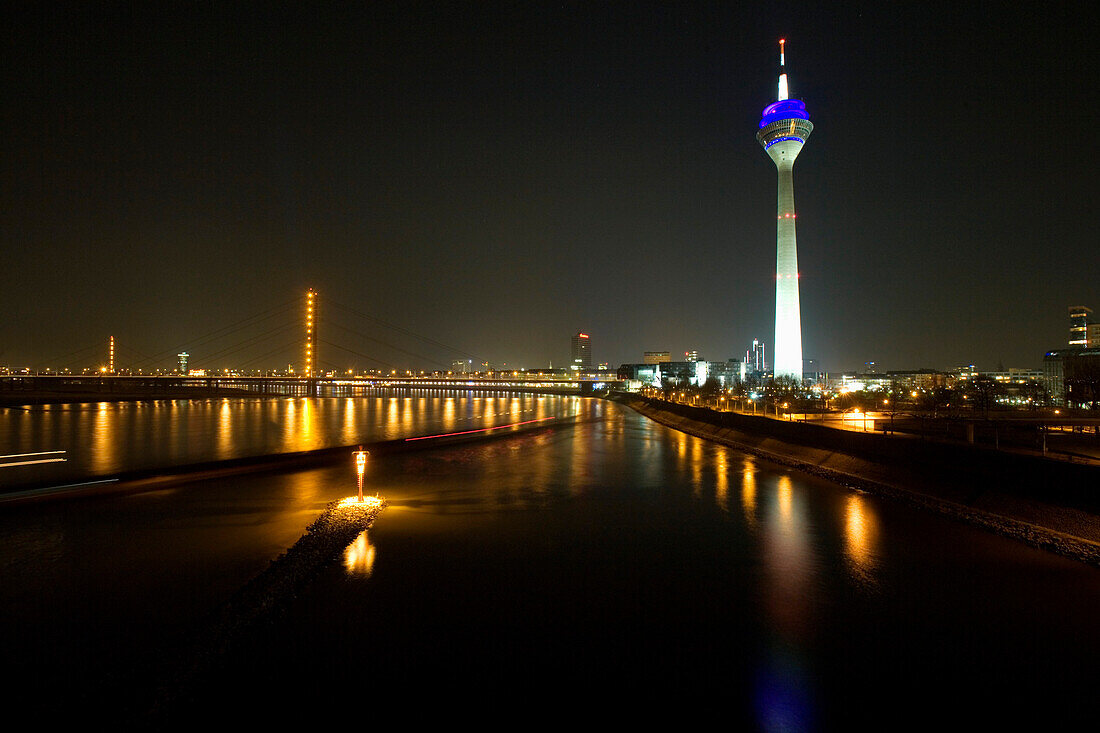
(324,542)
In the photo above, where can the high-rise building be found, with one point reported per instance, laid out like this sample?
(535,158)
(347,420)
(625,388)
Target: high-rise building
(784,128)
(582,353)
(183,356)
(656,357)
(755,357)
(1080,317)
(692,355)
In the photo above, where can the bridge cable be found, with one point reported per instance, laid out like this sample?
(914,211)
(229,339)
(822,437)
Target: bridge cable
(60,359)
(359,354)
(248,343)
(387,345)
(405,331)
(228,329)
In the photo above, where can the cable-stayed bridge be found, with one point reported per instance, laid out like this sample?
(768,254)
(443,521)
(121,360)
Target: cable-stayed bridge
(308,336)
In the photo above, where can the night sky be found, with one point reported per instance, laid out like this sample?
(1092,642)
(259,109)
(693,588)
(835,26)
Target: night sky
(494,177)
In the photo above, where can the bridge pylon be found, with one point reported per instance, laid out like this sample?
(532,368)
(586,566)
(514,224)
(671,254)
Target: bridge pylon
(311,334)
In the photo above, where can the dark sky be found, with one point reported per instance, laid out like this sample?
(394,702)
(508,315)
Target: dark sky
(496,176)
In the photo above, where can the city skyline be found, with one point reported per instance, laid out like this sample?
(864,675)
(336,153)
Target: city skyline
(492,176)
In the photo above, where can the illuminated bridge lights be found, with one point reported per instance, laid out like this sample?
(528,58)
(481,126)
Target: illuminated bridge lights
(311,337)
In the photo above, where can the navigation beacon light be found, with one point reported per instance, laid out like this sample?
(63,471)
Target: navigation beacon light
(360,468)
(783,130)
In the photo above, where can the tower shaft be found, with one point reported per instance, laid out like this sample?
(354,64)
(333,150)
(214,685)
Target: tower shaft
(787,348)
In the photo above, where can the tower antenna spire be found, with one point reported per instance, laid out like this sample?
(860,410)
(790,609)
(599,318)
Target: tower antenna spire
(782,71)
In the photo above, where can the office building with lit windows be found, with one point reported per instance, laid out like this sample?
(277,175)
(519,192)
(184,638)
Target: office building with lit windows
(582,353)
(1083,330)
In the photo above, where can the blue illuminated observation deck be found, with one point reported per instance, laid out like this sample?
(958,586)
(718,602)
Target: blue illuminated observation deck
(786,119)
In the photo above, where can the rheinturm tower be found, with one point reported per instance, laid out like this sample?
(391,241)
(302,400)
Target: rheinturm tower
(784,128)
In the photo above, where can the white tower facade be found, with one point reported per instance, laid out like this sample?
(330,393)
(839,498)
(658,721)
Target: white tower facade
(784,129)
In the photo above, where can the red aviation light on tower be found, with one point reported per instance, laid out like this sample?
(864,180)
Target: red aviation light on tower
(582,335)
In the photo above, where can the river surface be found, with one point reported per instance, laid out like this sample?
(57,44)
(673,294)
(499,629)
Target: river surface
(59,444)
(609,569)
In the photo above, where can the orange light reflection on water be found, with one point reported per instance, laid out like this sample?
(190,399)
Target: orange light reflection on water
(860,538)
(349,434)
(784,493)
(722,481)
(359,556)
(225,430)
(748,491)
(696,466)
(103,457)
(448,414)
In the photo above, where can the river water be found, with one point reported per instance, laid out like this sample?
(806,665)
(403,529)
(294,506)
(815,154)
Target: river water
(608,569)
(58,444)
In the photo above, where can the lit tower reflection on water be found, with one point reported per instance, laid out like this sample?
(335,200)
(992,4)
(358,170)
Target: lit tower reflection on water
(783,686)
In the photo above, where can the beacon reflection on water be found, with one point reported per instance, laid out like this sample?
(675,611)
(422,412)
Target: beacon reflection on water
(359,556)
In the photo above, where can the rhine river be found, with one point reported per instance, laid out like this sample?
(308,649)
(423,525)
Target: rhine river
(605,570)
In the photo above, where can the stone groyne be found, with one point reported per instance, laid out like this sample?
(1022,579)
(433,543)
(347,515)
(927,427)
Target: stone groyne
(1044,502)
(285,578)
